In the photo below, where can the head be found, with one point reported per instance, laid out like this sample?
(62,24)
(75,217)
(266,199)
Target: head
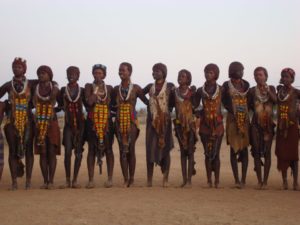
(44,73)
(73,74)
(159,71)
(184,77)
(287,76)
(236,70)
(125,70)
(211,72)
(99,72)
(19,67)
(260,75)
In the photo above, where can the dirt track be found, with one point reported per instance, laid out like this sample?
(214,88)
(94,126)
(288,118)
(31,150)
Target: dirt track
(156,205)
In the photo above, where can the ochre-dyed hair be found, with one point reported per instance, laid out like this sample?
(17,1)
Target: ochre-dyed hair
(289,71)
(73,69)
(45,69)
(99,66)
(128,65)
(212,67)
(162,67)
(21,62)
(189,75)
(235,67)
(260,68)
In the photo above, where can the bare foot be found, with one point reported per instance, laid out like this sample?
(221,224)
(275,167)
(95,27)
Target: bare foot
(44,186)
(108,184)
(28,185)
(188,185)
(285,185)
(66,185)
(209,184)
(183,184)
(149,183)
(296,187)
(216,184)
(259,186)
(75,185)
(90,185)
(51,186)
(165,183)
(130,182)
(14,186)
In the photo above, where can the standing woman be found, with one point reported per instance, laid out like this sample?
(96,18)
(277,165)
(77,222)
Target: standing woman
(287,138)
(71,100)
(19,126)
(211,122)
(127,128)
(262,98)
(185,125)
(99,127)
(159,139)
(2,109)
(235,100)
(47,138)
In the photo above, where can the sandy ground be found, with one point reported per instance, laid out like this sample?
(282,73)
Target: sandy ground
(156,205)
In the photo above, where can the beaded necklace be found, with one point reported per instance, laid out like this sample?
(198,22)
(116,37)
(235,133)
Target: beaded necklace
(100,113)
(261,97)
(125,111)
(69,96)
(44,113)
(20,108)
(240,108)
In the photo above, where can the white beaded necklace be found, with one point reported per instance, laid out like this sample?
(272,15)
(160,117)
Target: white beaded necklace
(69,96)
(179,95)
(129,91)
(24,87)
(215,95)
(96,88)
(261,98)
(37,91)
(285,98)
(235,91)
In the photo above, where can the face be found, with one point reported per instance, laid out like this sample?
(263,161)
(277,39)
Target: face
(43,76)
(124,72)
(98,75)
(238,74)
(183,79)
(18,70)
(157,74)
(260,77)
(286,79)
(210,75)
(73,77)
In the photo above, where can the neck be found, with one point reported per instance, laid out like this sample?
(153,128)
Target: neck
(160,81)
(45,83)
(183,87)
(125,82)
(236,80)
(72,84)
(19,77)
(98,82)
(288,86)
(211,82)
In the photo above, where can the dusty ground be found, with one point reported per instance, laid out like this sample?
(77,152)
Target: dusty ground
(156,205)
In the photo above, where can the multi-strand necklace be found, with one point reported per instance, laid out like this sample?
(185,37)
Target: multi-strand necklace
(44,113)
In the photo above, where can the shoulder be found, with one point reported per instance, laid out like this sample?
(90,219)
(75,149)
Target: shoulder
(246,83)
(87,85)
(272,88)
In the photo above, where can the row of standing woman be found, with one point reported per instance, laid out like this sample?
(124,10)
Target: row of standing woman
(111,112)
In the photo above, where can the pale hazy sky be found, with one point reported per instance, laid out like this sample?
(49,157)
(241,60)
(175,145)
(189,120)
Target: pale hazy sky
(182,34)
